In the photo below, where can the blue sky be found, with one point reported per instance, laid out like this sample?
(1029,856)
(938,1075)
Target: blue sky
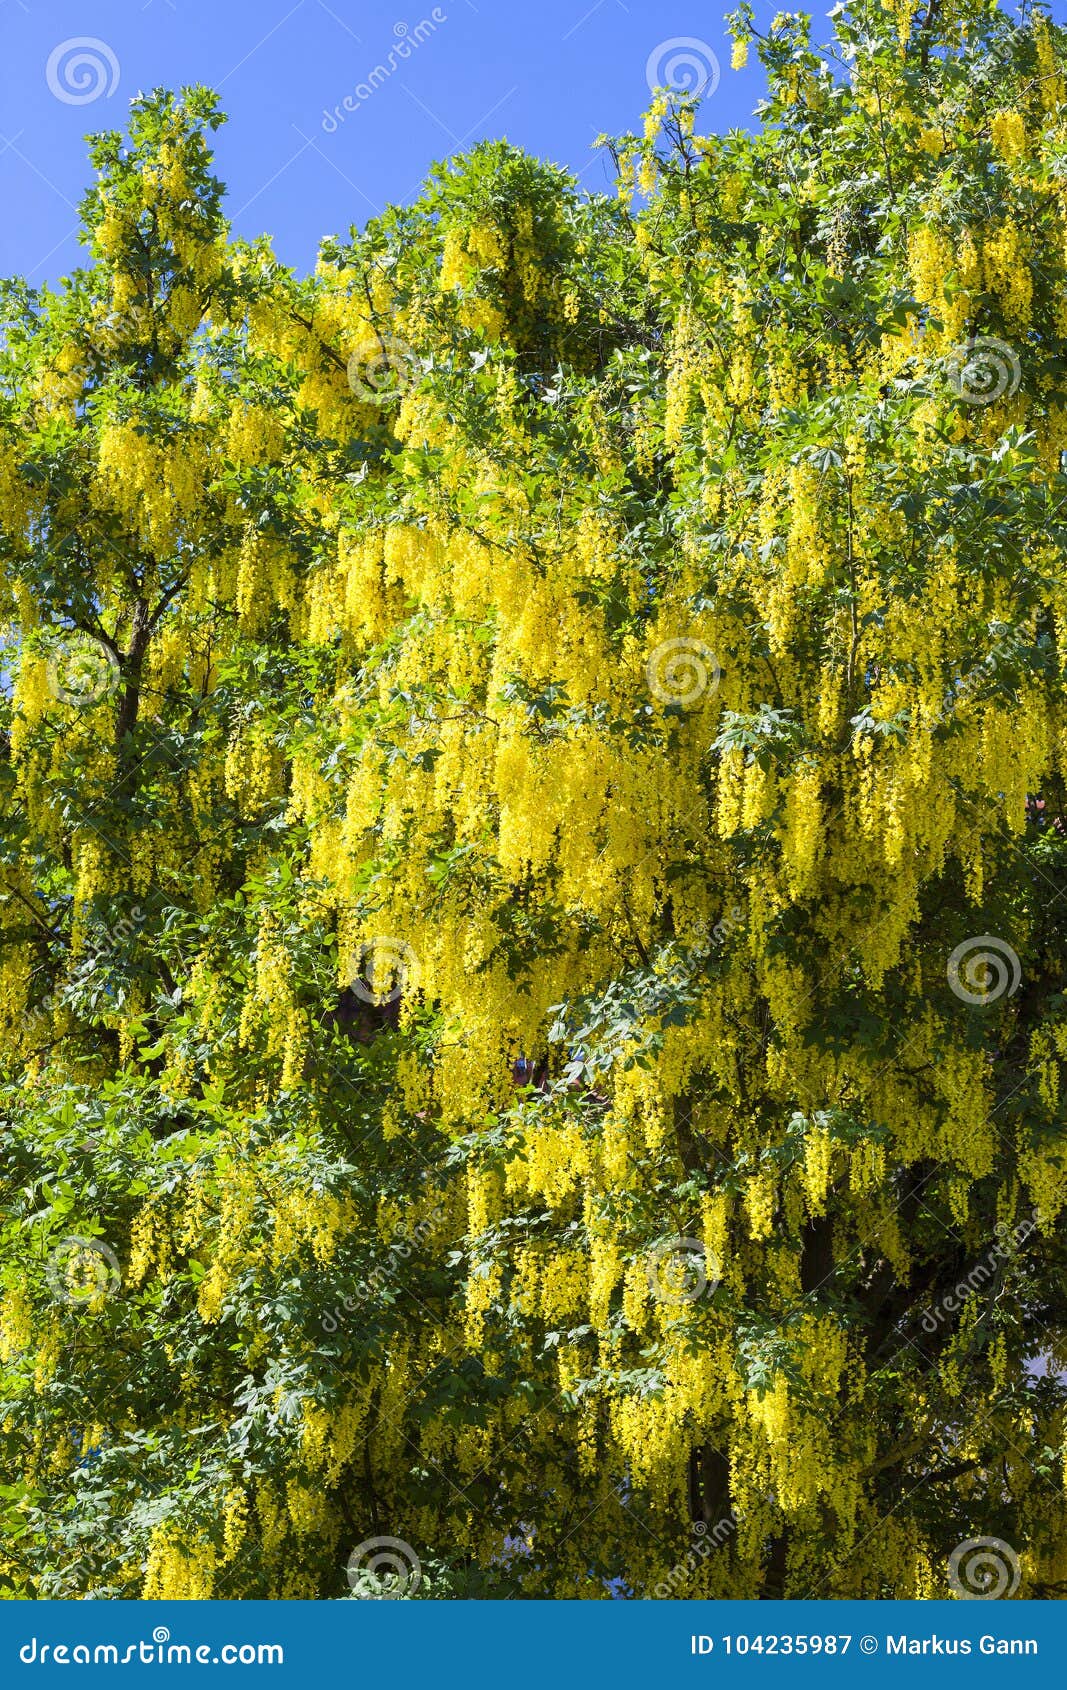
(549,76)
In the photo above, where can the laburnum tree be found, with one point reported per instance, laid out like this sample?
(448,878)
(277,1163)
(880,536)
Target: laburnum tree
(533,864)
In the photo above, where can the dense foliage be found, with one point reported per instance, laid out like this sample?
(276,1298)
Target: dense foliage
(532,1012)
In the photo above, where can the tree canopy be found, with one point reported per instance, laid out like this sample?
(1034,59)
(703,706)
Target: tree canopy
(533,859)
